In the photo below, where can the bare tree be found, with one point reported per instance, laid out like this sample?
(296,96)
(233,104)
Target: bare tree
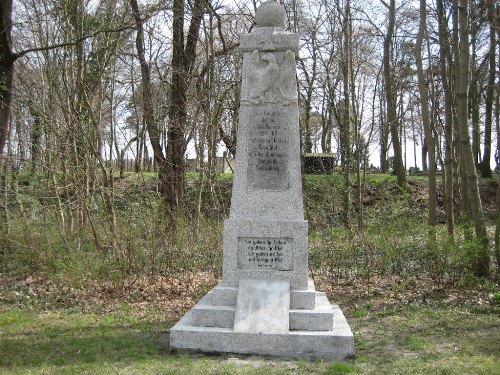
(445,69)
(390,94)
(424,103)
(476,212)
(147,103)
(7,59)
(183,58)
(309,31)
(490,92)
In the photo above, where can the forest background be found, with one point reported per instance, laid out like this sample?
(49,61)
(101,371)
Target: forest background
(89,86)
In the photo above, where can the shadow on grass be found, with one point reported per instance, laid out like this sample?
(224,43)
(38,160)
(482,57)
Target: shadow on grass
(84,345)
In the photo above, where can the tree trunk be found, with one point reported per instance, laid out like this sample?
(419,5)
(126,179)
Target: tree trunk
(482,258)
(384,132)
(356,120)
(212,119)
(310,79)
(148,109)
(346,120)
(497,226)
(307,123)
(383,147)
(177,112)
(474,97)
(490,92)
(424,102)
(497,127)
(7,60)
(444,57)
(425,151)
(183,56)
(460,177)
(390,95)
(36,138)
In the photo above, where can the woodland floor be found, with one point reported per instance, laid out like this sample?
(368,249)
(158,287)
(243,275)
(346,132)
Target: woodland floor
(401,326)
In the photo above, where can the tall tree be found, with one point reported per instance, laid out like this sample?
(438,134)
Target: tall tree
(310,32)
(476,77)
(183,58)
(424,103)
(490,92)
(7,59)
(147,103)
(345,119)
(171,164)
(390,94)
(475,209)
(497,226)
(445,68)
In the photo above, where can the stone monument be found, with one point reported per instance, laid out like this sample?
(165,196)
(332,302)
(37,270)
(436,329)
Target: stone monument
(265,303)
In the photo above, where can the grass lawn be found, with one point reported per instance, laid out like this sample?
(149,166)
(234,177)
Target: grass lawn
(411,338)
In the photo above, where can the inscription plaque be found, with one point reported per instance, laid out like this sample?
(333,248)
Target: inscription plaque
(268,150)
(265,253)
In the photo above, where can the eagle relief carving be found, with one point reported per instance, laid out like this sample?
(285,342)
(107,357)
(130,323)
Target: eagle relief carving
(268,82)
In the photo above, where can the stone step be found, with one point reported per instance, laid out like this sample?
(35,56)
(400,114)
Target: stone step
(332,344)
(213,316)
(224,296)
(204,314)
(319,319)
(303,299)
(299,299)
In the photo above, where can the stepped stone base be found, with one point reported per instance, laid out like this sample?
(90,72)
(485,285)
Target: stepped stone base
(317,331)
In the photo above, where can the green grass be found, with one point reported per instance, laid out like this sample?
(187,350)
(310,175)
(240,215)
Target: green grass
(423,340)
(409,340)
(62,342)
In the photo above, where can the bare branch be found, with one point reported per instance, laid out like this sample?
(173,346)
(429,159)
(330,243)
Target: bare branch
(384,4)
(219,23)
(20,54)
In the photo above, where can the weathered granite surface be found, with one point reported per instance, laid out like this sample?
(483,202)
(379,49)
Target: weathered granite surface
(270,14)
(265,303)
(333,344)
(263,307)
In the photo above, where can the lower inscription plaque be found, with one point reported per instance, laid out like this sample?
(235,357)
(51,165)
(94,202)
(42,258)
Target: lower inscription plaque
(265,253)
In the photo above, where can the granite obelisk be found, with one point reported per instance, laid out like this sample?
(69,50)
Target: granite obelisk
(265,303)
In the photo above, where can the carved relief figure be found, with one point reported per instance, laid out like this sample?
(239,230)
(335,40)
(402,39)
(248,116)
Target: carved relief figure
(269,82)
(287,83)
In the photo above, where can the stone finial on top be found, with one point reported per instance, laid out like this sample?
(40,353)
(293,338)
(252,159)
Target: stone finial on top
(270,34)
(270,14)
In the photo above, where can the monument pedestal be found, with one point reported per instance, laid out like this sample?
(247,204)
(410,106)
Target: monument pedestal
(318,332)
(265,303)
